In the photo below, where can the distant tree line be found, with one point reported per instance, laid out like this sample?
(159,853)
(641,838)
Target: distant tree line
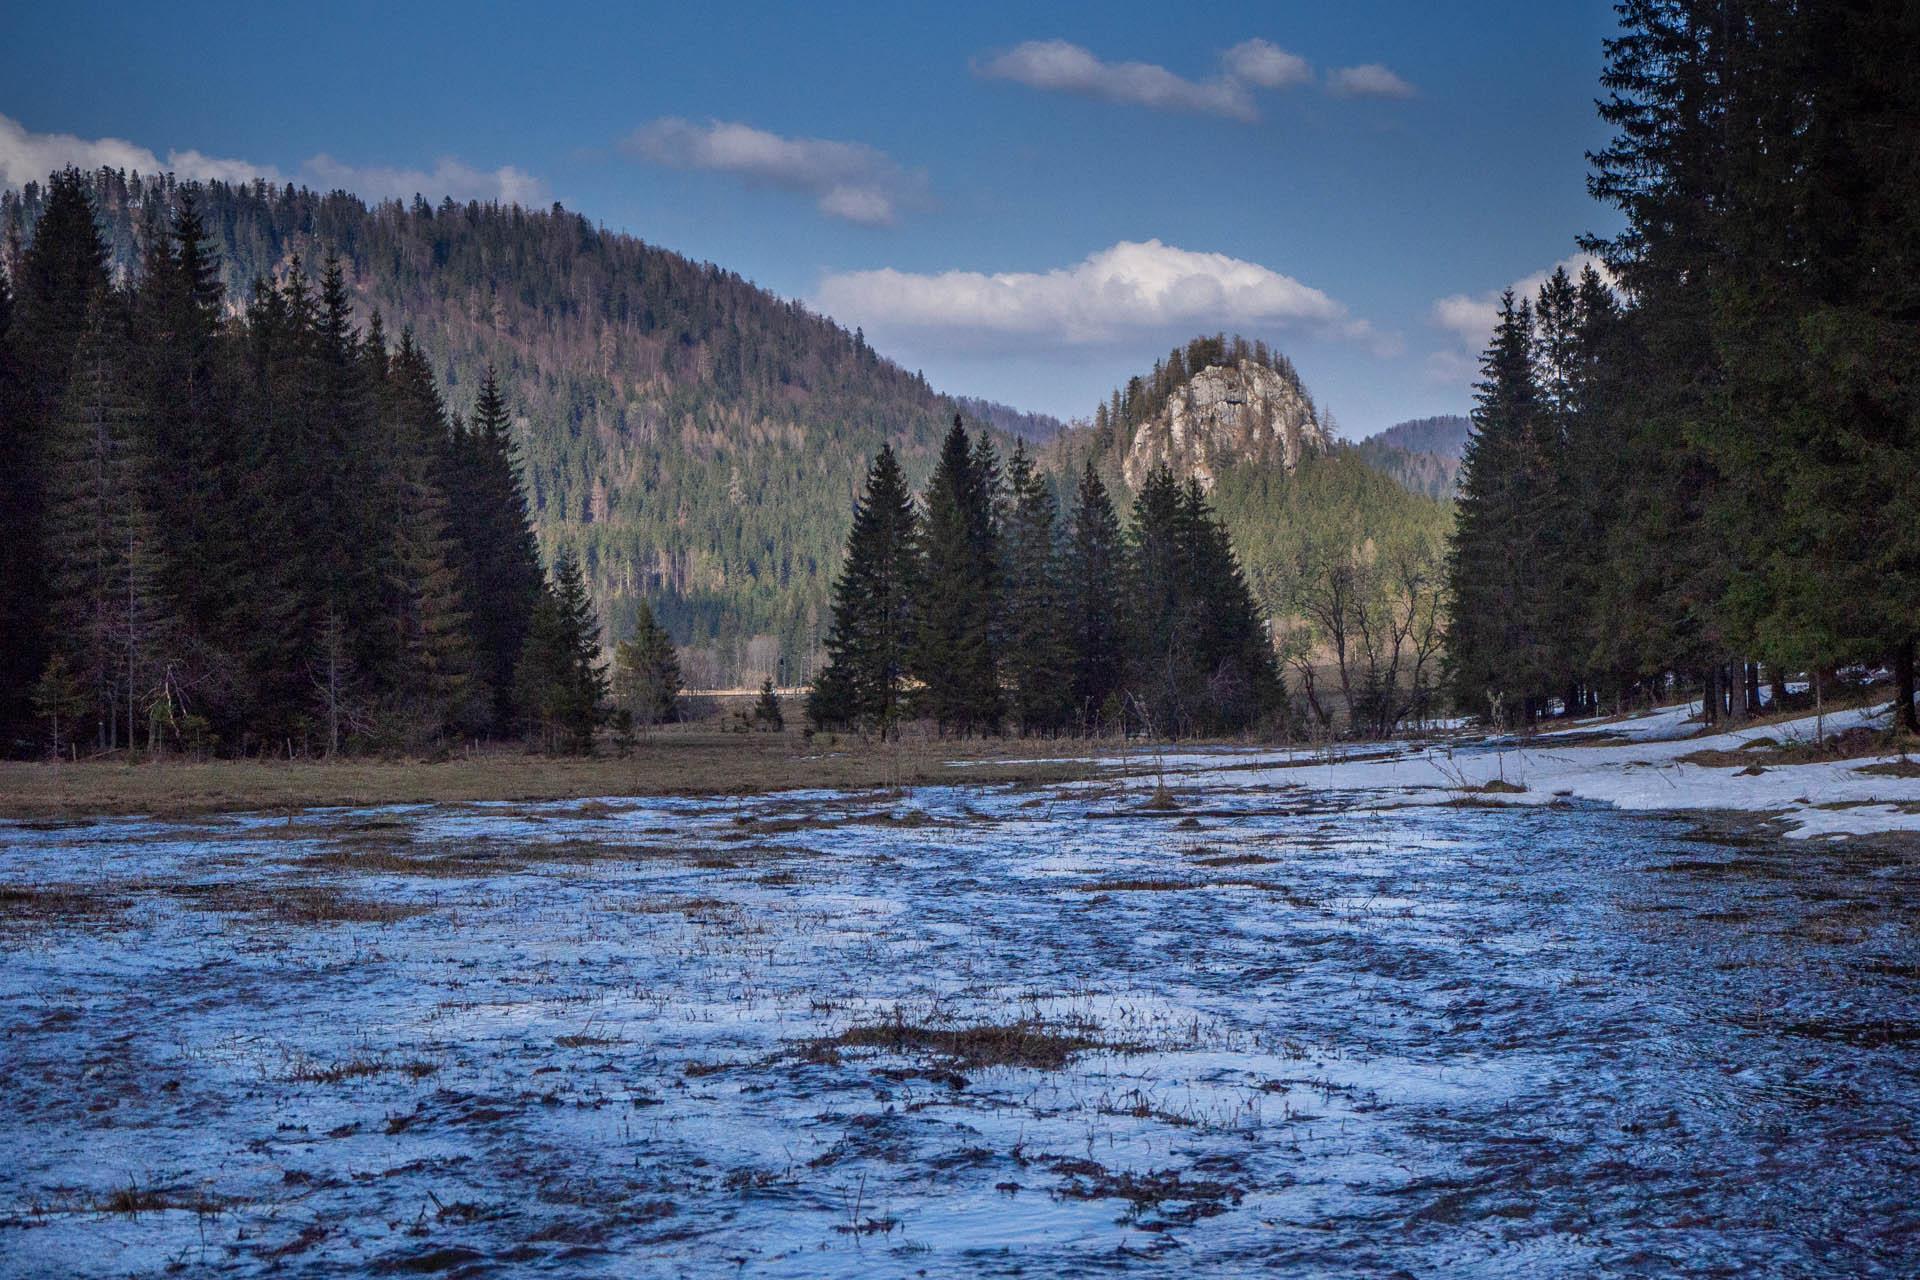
(982,609)
(1714,474)
(252,530)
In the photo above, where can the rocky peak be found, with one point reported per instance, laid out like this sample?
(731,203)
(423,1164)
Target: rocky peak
(1226,414)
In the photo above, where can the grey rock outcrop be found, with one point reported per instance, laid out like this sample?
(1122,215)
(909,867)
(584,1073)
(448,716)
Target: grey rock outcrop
(1224,415)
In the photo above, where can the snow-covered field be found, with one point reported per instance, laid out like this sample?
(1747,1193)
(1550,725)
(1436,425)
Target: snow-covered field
(1320,1019)
(1644,769)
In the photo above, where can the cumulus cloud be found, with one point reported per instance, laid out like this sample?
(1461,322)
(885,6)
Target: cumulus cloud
(848,180)
(27,156)
(1266,65)
(1470,318)
(505,185)
(1368,81)
(1061,67)
(1115,295)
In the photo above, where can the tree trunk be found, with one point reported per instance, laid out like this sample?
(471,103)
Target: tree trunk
(1710,697)
(1904,717)
(1777,685)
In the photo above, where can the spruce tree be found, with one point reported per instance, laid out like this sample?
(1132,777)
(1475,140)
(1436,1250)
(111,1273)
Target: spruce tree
(956,595)
(1094,578)
(871,631)
(499,561)
(1039,658)
(61,277)
(646,672)
(99,540)
(559,681)
(1499,652)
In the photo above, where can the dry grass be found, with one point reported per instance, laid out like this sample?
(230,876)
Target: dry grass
(1853,744)
(1018,1044)
(294,904)
(681,763)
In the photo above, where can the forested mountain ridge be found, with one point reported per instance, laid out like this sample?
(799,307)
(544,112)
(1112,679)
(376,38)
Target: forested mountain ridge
(1423,454)
(697,440)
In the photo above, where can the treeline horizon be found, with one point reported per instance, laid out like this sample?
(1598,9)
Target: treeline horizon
(247,530)
(1710,471)
(981,609)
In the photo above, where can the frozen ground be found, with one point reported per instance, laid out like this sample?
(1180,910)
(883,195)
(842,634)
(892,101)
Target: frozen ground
(1318,1020)
(1633,764)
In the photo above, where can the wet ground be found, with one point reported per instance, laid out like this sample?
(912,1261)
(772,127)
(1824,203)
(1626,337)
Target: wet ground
(969,1031)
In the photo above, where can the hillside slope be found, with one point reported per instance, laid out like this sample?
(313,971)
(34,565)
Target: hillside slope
(698,440)
(1423,454)
(1292,500)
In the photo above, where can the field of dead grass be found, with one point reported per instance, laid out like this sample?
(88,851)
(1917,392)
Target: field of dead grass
(670,764)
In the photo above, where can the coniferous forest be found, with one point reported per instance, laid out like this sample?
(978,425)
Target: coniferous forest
(251,525)
(984,608)
(693,439)
(1711,473)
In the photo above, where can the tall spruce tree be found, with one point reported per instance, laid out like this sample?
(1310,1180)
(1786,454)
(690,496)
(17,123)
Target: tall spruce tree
(1094,582)
(956,598)
(1039,659)
(559,682)
(1499,651)
(499,561)
(871,632)
(99,540)
(61,277)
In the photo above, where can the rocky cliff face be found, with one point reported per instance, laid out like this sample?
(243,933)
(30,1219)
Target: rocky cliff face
(1226,414)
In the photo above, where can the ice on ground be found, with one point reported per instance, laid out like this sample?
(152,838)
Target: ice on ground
(1831,798)
(1297,1026)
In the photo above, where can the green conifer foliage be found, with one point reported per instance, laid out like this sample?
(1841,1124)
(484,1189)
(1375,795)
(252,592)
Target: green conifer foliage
(56,282)
(646,672)
(1039,659)
(956,598)
(1499,652)
(1094,582)
(499,561)
(872,622)
(559,682)
(99,541)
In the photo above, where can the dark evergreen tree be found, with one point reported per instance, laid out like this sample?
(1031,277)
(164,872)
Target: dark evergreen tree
(559,681)
(99,542)
(499,560)
(872,624)
(1499,653)
(1094,574)
(646,672)
(56,283)
(1039,659)
(955,598)
(766,709)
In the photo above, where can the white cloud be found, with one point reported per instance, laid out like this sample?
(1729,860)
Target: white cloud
(848,180)
(1266,65)
(505,185)
(27,156)
(1115,295)
(1061,67)
(1369,81)
(1470,318)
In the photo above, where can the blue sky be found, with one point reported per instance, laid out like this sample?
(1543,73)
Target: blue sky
(1027,202)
